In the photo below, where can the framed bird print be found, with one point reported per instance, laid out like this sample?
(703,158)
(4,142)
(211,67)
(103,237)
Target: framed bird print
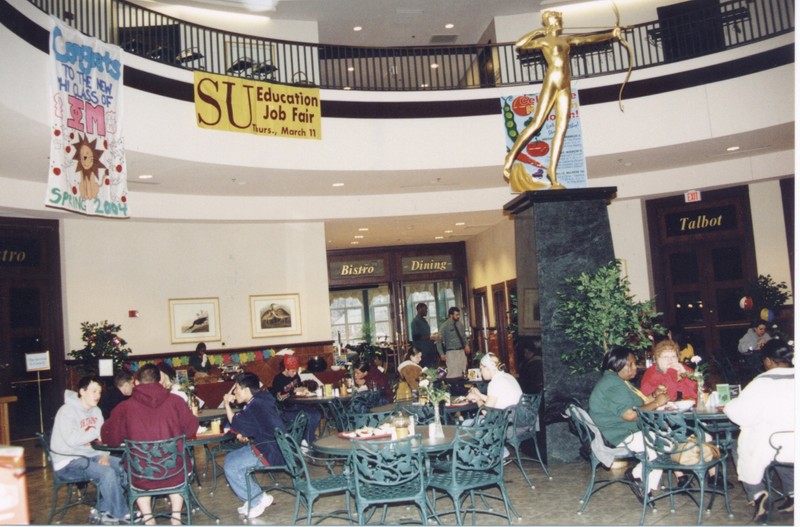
(194,319)
(275,315)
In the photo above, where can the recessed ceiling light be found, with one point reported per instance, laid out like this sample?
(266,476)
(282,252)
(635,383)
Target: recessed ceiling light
(363,229)
(358,237)
(351,68)
(353,243)
(146,176)
(347,88)
(434,66)
(448,231)
(357,28)
(438,238)
(338,185)
(460,223)
(732,148)
(449,26)
(424,85)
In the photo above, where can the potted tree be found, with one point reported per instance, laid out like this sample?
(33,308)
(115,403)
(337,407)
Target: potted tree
(598,312)
(101,342)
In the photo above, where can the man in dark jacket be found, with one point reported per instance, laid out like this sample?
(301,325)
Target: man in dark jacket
(256,424)
(120,391)
(151,414)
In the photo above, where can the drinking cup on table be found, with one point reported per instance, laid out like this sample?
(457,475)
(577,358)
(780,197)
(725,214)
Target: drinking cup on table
(216,425)
(328,390)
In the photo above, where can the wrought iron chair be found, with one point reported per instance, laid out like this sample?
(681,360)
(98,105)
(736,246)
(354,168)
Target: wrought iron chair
(388,472)
(372,419)
(777,441)
(423,413)
(306,489)
(75,496)
(668,435)
(296,431)
(364,401)
(162,465)
(598,451)
(525,420)
(476,465)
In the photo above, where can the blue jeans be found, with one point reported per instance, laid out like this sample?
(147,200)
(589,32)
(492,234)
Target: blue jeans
(314,418)
(106,477)
(235,464)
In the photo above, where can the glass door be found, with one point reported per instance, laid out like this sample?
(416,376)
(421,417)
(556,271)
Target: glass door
(439,296)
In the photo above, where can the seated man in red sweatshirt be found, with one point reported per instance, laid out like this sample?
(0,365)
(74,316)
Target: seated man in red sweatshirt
(152,413)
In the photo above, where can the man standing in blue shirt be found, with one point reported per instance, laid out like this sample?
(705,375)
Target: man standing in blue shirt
(453,344)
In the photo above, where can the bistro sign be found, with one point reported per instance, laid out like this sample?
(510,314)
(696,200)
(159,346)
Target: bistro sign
(428,264)
(15,252)
(699,221)
(356,268)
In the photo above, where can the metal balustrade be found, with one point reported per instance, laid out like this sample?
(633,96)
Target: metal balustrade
(182,44)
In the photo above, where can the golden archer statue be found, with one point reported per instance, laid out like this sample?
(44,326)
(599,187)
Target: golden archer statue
(555,93)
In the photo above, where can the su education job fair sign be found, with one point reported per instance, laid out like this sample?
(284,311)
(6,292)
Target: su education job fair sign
(87,149)
(535,157)
(255,107)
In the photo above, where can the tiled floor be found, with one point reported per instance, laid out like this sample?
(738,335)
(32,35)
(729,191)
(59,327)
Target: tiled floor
(553,502)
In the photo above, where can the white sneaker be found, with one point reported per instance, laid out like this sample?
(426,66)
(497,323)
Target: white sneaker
(259,508)
(242,509)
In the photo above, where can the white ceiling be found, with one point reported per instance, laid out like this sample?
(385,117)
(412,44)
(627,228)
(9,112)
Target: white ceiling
(386,22)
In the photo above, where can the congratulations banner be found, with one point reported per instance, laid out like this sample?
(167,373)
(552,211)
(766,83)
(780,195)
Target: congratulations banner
(571,170)
(87,149)
(254,107)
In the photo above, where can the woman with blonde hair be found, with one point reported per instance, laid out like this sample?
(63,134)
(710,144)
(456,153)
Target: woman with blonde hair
(503,390)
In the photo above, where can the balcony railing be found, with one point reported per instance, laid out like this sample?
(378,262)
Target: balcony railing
(182,44)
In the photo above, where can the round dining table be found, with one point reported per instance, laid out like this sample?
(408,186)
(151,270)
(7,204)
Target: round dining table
(339,444)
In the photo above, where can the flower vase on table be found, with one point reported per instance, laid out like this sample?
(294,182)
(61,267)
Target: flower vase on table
(435,427)
(701,403)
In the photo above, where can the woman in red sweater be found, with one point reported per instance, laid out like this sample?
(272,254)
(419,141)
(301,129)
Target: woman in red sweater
(669,372)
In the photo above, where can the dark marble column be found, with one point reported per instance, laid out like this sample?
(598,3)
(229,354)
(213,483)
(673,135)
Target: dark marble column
(558,234)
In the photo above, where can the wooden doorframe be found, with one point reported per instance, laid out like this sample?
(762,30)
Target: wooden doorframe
(500,310)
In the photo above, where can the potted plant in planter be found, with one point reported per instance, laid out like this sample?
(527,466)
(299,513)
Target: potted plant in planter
(102,342)
(597,312)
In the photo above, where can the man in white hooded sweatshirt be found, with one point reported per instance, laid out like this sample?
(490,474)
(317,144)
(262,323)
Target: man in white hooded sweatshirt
(77,424)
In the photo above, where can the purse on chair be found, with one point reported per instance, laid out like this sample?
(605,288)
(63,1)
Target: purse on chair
(688,453)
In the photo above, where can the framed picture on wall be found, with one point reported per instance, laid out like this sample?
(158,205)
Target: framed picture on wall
(275,315)
(194,319)
(530,318)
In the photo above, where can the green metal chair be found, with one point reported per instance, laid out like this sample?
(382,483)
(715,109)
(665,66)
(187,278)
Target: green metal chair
(423,413)
(668,434)
(162,465)
(597,450)
(388,472)
(475,466)
(525,419)
(777,440)
(75,496)
(296,431)
(306,489)
(371,419)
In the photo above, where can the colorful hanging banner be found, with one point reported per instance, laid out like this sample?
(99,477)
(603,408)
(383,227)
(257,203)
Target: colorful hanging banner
(517,114)
(87,150)
(255,107)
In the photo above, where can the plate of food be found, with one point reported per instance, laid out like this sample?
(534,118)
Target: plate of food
(366,433)
(459,401)
(681,405)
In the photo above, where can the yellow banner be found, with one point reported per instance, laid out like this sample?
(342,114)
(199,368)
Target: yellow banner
(254,107)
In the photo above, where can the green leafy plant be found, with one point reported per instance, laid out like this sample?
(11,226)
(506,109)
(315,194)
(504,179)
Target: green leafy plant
(767,294)
(433,386)
(597,312)
(102,342)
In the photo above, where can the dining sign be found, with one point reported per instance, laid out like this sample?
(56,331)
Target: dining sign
(243,105)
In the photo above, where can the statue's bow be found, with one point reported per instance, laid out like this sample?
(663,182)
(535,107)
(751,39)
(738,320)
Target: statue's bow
(624,42)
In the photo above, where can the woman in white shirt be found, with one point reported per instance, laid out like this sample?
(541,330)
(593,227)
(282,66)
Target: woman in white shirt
(503,390)
(766,406)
